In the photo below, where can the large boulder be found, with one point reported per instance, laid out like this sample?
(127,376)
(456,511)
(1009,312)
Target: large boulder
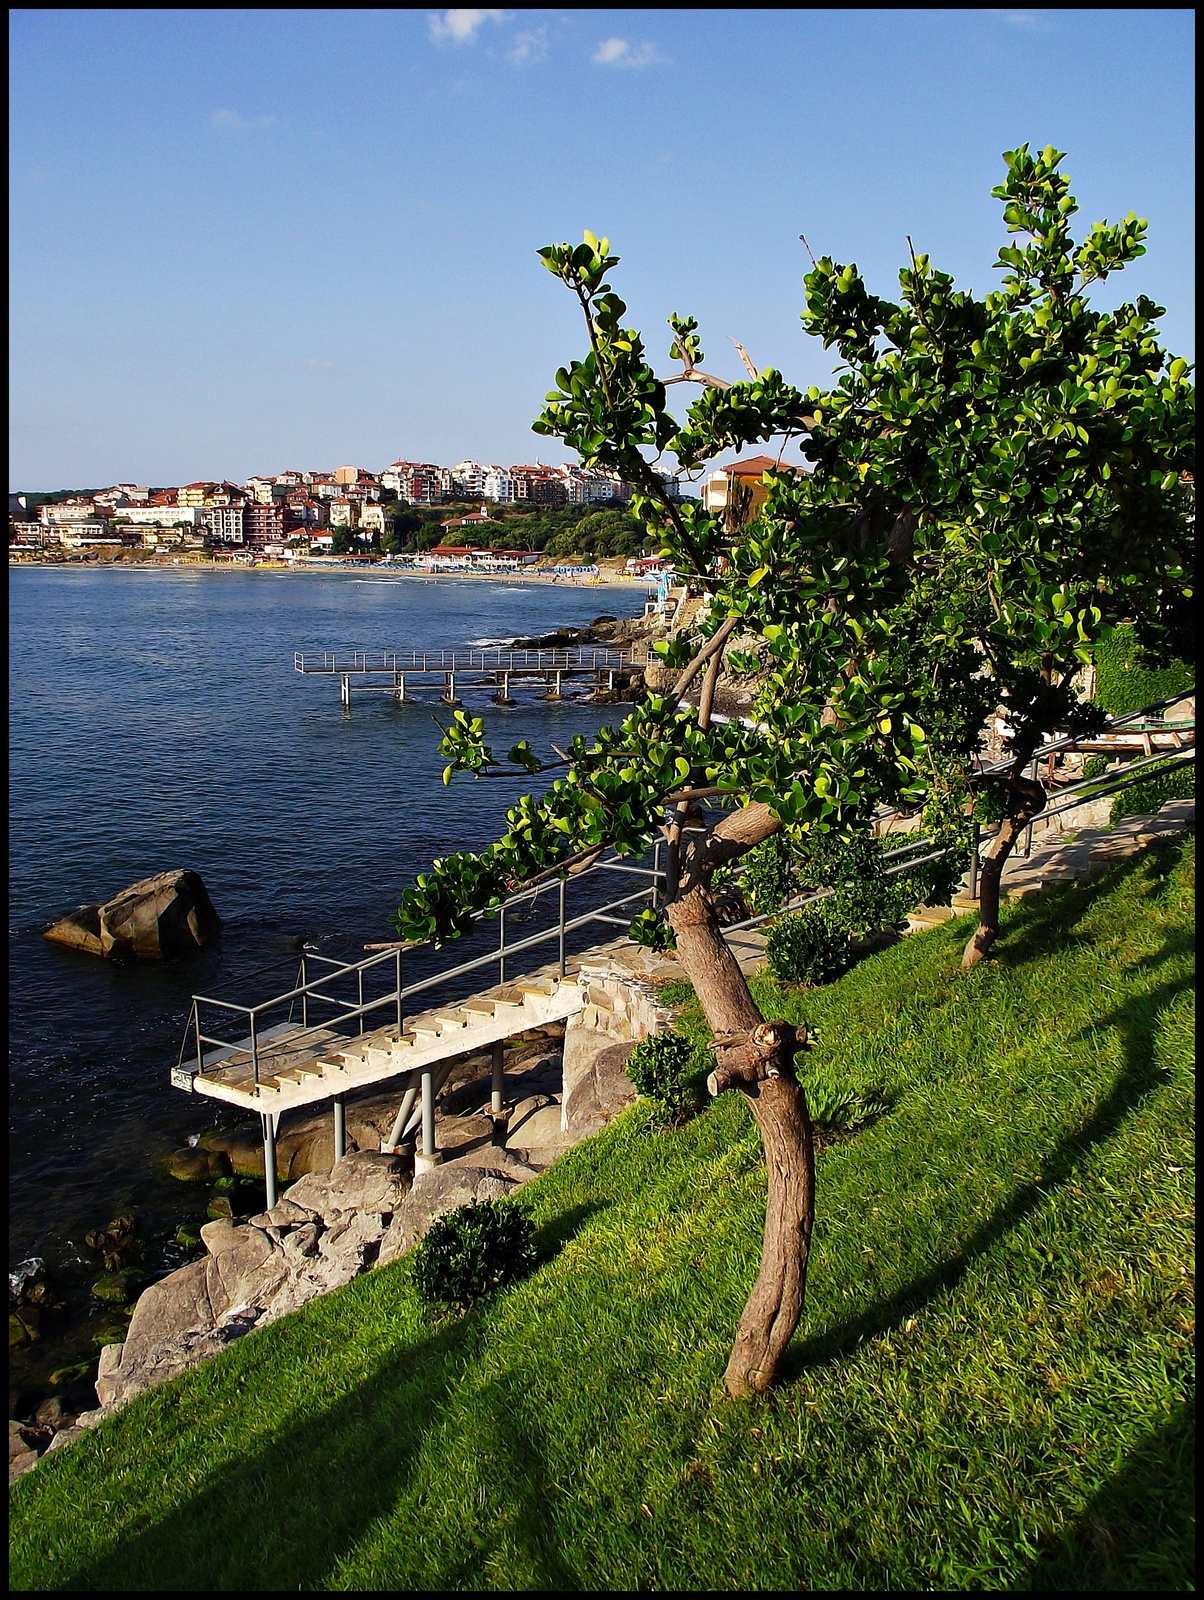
(168,915)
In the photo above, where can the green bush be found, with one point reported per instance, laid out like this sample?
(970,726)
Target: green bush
(808,946)
(1095,766)
(1152,793)
(769,874)
(671,1070)
(1126,679)
(473,1252)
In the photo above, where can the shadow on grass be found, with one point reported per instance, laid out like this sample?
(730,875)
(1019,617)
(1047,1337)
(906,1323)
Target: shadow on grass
(1137,1021)
(1138,1532)
(285,1514)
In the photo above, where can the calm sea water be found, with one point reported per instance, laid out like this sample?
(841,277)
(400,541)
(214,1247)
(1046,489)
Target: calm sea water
(156,722)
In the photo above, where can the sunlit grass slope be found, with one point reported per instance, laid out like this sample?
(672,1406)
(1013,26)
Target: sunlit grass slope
(990,1387)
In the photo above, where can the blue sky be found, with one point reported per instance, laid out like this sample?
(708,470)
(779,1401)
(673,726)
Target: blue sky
(245,241)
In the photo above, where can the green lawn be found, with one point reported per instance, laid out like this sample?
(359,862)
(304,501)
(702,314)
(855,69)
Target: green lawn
(990,1388)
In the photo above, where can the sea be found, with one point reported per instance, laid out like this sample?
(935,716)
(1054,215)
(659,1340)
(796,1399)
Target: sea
(157,722)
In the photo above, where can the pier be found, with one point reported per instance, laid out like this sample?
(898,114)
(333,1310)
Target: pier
(498,669)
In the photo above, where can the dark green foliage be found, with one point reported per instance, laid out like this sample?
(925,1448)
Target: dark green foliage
(472,1252)
(1149,796)
(671,1070)
(1095,766)
(1127,677)
(808,946)
(770,873)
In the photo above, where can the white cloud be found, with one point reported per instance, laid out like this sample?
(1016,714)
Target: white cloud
(529,49)
(622,53)
(1027,21)
(231,119)
(461,26)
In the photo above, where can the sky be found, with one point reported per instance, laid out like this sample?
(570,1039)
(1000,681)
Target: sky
(246,241)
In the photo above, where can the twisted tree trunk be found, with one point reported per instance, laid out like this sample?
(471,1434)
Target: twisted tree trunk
(1028,801)
(756,1057)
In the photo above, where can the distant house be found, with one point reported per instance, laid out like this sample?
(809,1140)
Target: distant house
(472,519)
(749,475)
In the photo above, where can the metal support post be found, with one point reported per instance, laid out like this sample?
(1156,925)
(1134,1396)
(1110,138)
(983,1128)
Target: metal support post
(397,973)
(501,962)
(557,690)
(563,888)
(269,1156)
(304,997)
(499,1061)
(360,977)
(340,1128)
(976,835)
(254,1051)
(345,688)
(427,1157)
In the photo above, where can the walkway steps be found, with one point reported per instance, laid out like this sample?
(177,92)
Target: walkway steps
(301,1067)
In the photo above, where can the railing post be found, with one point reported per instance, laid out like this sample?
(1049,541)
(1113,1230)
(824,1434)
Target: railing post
(501,960)
(428,1115)
(563,887)
(976,834)
(499,1062)
(360,976)
(254,1049)
(304,997)
(397,971)
(196,1023)
(269,1156)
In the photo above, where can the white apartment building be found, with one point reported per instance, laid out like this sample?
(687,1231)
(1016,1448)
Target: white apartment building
(469,477)
(225,524)
(373,519)
(498,486)
(163,516)
(67,511)
(344,513)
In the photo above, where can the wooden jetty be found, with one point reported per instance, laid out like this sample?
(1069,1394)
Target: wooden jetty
(498,670)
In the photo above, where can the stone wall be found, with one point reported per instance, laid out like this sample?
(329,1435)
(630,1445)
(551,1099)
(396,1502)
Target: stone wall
(620,1010)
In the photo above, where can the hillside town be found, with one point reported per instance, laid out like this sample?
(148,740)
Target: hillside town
(350,513)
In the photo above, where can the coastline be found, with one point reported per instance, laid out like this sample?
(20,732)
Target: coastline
(604,580)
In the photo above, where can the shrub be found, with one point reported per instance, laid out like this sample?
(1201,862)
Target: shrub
(1095,766)
(808,946)
(769,873)
(1126,679)
(671,1070)
(1149,796)
(473,1252)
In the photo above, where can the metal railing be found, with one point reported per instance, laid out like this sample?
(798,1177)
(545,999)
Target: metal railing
(309,992)
(315,991)
(499,658)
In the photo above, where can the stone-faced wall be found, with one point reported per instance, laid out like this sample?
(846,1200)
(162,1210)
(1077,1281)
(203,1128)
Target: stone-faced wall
(620,1010)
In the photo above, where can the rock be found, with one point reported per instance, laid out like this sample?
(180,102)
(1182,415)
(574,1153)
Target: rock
(220,1206)
(596,1085)
(52,1414)
(118,1287)
(64,1377)
(189,1235)
(24,1326)
(442,1190)
(539,1130)
(21,1456)
(64,1436)
(362,1181)
(196,1166)
(154,919)
(284,1214)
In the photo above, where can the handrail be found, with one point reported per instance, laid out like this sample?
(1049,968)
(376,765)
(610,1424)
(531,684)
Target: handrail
(499,658)
(1070,796)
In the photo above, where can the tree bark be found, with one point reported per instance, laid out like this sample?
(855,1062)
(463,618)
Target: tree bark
(1029,801)
(755,1057)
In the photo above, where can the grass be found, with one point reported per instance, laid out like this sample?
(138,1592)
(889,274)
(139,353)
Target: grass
(990,1388)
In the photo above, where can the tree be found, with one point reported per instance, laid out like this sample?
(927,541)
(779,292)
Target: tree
(993,485)
(342,539)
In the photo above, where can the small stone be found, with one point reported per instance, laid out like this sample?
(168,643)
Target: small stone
(219,1207)
(64,1377)
(51,1414)
(118,1287)
(189,1235)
